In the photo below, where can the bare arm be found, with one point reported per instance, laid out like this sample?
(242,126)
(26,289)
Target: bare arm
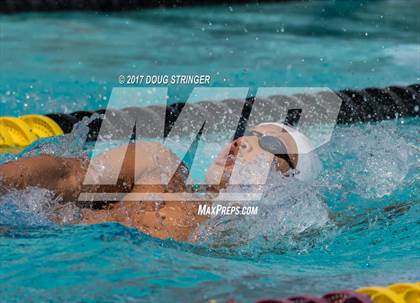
(65,176)
(161,213)
(60,175)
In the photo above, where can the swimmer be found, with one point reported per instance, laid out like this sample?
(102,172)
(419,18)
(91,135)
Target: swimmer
(286,147)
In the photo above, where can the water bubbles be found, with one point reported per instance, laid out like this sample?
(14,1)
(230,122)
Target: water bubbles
(70,145)
(373,160)
(288,211)
(280,30)
(363,163)
(33,207)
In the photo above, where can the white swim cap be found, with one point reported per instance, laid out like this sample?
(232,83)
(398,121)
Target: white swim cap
(308,165)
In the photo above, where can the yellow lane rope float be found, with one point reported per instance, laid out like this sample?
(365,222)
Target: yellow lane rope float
(395,293)
(42,126)
(6,142)
(409,291)
(5,139)
(20,132)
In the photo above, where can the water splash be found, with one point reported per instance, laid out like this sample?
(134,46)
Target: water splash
(70,145)
(371,161)
(33,207)
(291,215)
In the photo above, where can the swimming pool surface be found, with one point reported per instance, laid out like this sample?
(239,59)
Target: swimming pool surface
(358,224)
(71,61)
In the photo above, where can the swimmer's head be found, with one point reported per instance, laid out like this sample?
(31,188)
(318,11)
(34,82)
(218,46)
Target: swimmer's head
(285,147)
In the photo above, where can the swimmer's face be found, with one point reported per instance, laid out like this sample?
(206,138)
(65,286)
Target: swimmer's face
(248,151)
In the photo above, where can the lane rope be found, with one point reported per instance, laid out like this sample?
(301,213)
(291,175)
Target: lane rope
(16,133)
(394,293)
(13,6)
(358,106)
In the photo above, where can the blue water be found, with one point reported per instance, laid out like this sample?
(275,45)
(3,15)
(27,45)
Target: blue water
(71,61)
(367,168)
(335,234)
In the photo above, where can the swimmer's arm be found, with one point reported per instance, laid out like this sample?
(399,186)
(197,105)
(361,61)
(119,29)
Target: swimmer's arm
(141,159)
(59,175)
(157,211)
(64,176)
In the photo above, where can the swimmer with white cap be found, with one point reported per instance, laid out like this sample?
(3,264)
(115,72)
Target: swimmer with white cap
(291,150)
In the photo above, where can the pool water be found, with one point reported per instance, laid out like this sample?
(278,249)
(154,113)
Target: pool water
(357,224)
(71,61)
